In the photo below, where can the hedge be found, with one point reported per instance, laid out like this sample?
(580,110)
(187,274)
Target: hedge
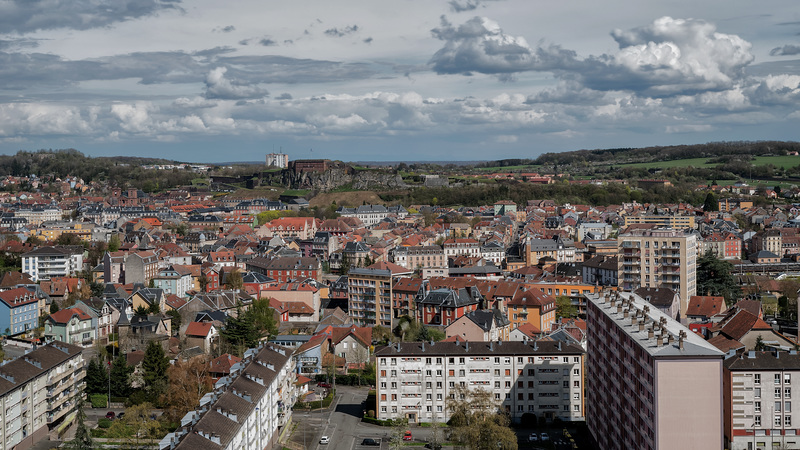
(98,400)
(324,403)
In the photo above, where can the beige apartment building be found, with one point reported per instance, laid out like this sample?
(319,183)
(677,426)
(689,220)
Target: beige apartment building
(761,397)
(651,382)
(37,393)
(676,221)
(369,293)
(659,257)
(421,256)
(417,380)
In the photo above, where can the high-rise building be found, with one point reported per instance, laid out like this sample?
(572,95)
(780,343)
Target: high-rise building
(278,160)
(418,380)
(651,383)
(759,402)
(659,257)
(369,293)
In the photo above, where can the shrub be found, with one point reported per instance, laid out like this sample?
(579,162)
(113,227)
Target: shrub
(371,414)
(104,423)
(98,400)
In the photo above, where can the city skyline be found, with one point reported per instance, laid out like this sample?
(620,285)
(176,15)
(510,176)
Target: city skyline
(464,80)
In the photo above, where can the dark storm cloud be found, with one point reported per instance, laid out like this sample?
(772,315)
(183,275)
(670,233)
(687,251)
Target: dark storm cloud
(336,32)
(786,50)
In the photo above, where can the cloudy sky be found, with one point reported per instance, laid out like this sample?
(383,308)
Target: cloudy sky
(211,81)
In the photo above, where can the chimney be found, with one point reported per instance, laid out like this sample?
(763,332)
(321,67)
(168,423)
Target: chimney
(423,346)
(669,339)
(650,332)
(681,337)
(660,339)
(641,325)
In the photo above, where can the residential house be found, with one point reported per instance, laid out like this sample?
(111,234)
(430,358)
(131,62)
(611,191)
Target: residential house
(71,325)
(481,325)
(19,311)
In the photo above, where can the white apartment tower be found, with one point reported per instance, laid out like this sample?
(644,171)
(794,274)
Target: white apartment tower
(278,160)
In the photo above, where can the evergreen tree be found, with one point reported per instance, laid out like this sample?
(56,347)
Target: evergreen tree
(114,243)
(711,203)
(96,378)
(240,332)
(263,317)
(83,438)
(121,377)
(154,367)
(714,278)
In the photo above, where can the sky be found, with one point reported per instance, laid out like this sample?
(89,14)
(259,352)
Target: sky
(402,80)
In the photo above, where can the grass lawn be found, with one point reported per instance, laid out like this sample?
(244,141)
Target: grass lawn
(777,161)
(694,162)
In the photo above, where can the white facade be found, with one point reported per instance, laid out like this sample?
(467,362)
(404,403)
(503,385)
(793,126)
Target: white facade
(246,410)
(278,160)
(48,262)
(416,380)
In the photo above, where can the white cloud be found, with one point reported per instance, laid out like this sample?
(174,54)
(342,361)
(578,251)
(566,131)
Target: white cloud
(218,86)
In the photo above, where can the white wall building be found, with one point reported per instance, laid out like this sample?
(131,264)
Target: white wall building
(416,380)
(246,410)
(48,262)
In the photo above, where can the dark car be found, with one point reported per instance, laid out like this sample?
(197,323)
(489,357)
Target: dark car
(433,446)
(110,415)
(121,415)
(369,441)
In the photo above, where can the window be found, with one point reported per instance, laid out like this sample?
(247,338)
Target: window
(508,372)
(787,378)
(757,392)
(508,395)
(394,385)
(757,421)
(757,407)
(452,373)
(461,360)
(566,359)
(777,421)
(576,384)
(530,372)
(439,373)
(508,384)
(394,373)
(383,385)
(777,392)
(383,397)
(452,384)
(576,408)
(383,373)
(787,407)
(394,397)
(777,406)
(787,421)
(438,396)
(497,360)
(497,385)
(428,373)
(576,371)
(520,396)
(530,384)
(576,395)
(461,373)
(497,372)
(427,385)
(787,392)
(530,396)
(757,378)
(394,361)
(777,378)
(497,396)
(438,360)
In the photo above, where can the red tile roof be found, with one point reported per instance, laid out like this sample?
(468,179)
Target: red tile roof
(65,315)
(706,306)
(198,329)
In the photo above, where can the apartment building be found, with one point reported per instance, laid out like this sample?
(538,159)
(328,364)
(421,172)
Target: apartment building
(651,382)
(417,380)
(48,262)
(19,310)
(676,221)
(461,247)
(421,256)
(38,214)
(280,160)
(369,293)
(559,249)
(759,404)
(37,391)
(659,257)
(247,410)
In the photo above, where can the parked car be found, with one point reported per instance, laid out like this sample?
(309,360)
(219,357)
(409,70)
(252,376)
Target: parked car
(110,415)
(324,440)
(120,416)
(323,384)
(370,441)
(433,446)
(533,437)
(407,436)
(545,437)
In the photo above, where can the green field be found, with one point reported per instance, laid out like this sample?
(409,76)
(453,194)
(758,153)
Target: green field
(693,162)
(532,168)
(777,161)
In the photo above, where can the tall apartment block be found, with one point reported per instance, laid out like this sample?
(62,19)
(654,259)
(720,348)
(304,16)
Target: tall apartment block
(417,380)
(660,257)
(369,293)
(37,393)
(762,393)
(651,382)
(278,160)
(247,410)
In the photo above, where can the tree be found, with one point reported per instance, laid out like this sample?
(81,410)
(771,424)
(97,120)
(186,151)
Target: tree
(141,310)
(121,377)
(154,307)
(714,278)
(759,344)
(240,333)
(68,239)
(96,378)
(710,204)
(263,317)
(154,368)
(477,423)
(235,280)
(398,430)
(83,438)
(176,320)
(188,382)
(565,308)
(54,308)
(114,243)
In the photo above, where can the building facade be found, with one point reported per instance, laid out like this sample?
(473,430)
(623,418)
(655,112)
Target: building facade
(37,392)
(247,409)
(660,257)
(758,400)
(369,293)
(48,262)
(417,380)
(651,382)
(280,160)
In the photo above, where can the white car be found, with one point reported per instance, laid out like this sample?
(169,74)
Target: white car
(533,437)
(324,440)
(545,437)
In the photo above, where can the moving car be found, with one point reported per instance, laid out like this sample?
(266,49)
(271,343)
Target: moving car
(324,440)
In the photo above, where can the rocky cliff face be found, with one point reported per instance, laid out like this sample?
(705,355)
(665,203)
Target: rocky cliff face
(341,175)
